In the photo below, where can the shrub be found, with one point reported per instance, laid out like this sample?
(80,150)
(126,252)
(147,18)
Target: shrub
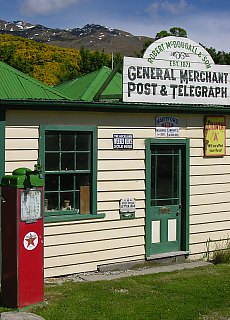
(221,254)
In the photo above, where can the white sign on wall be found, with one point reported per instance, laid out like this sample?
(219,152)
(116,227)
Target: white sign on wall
(175,70)
(127,205)
(167,126)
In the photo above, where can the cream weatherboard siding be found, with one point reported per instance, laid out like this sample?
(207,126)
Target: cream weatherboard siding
(209,193)
(21,147)
(79,246)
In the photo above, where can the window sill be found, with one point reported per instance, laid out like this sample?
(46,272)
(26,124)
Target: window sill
(72,217)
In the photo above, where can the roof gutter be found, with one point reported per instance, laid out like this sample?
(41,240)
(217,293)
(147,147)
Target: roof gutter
(63,105)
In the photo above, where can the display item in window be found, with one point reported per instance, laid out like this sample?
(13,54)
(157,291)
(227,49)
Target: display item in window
(66,205)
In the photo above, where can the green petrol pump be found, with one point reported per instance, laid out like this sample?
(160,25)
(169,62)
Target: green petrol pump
(22,238)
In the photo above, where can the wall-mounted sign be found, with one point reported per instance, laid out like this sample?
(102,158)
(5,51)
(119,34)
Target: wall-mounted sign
(167,126)
(175,70)
(122,141)
(214,136)
(127,205)
(127,208)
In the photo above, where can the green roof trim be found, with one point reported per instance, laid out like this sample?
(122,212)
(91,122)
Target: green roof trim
(110,106)
(15,85)
(86,87)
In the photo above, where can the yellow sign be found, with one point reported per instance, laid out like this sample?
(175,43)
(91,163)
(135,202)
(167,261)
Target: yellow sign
(214,136)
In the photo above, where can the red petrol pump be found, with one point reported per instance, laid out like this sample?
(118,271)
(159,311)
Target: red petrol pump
(22,281)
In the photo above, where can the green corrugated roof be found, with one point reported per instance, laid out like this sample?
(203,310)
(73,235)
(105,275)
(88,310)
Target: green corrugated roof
(17,85)
(85,87)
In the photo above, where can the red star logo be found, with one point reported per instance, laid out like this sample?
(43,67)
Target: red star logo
(30,240)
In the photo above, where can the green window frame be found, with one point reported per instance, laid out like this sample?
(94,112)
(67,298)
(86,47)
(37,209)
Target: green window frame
(69,158)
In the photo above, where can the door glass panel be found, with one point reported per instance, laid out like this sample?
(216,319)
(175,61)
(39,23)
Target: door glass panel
(164,173)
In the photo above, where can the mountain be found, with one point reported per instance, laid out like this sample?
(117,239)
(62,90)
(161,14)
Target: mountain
(91,36)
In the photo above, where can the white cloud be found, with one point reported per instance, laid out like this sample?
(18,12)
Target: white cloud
(33,7)
(158,7)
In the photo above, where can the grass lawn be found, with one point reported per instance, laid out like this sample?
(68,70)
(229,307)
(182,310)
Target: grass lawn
(200,293)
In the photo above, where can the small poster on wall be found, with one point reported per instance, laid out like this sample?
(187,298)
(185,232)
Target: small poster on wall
(167,126)
(214,136)
(123,141)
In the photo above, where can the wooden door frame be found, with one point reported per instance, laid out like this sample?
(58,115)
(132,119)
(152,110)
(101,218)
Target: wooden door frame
(184,144)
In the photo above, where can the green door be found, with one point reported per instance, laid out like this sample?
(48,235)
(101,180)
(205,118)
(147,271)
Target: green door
(165,198)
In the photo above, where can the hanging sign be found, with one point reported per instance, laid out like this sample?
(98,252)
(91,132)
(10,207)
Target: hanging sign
(167,126)
(214,136)
(176,70)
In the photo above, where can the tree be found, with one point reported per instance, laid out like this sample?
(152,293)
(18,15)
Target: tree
(219,57)
(118,61)
(162,34)
(7,52)
(145,46)
(93,60)
(174,31)
(178,32)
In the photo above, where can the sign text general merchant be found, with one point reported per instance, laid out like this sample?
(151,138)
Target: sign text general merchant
(198,88)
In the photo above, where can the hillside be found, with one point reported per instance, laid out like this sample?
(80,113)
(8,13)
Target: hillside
(49,64)
(91,36)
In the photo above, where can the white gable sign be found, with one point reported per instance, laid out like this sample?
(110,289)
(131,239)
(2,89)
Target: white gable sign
(176,70)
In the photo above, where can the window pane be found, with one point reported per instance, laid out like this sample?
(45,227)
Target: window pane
(163,150)
(52,161)
(66,182)
(51,182)
(77,200)
(52,142)
(67,161)
(164,177)
(82,179)
(164,182)
(82,161)
(52,200)
(67,142)
(83,142)
(67,201)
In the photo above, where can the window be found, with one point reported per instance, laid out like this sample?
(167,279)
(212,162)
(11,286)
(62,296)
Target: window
(69,158)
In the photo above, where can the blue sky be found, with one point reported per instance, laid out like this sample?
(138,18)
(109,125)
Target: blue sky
(206,21)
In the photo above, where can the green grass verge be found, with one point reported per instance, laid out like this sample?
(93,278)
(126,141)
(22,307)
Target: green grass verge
(200,293)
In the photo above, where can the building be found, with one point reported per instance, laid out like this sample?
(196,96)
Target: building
(143,178)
